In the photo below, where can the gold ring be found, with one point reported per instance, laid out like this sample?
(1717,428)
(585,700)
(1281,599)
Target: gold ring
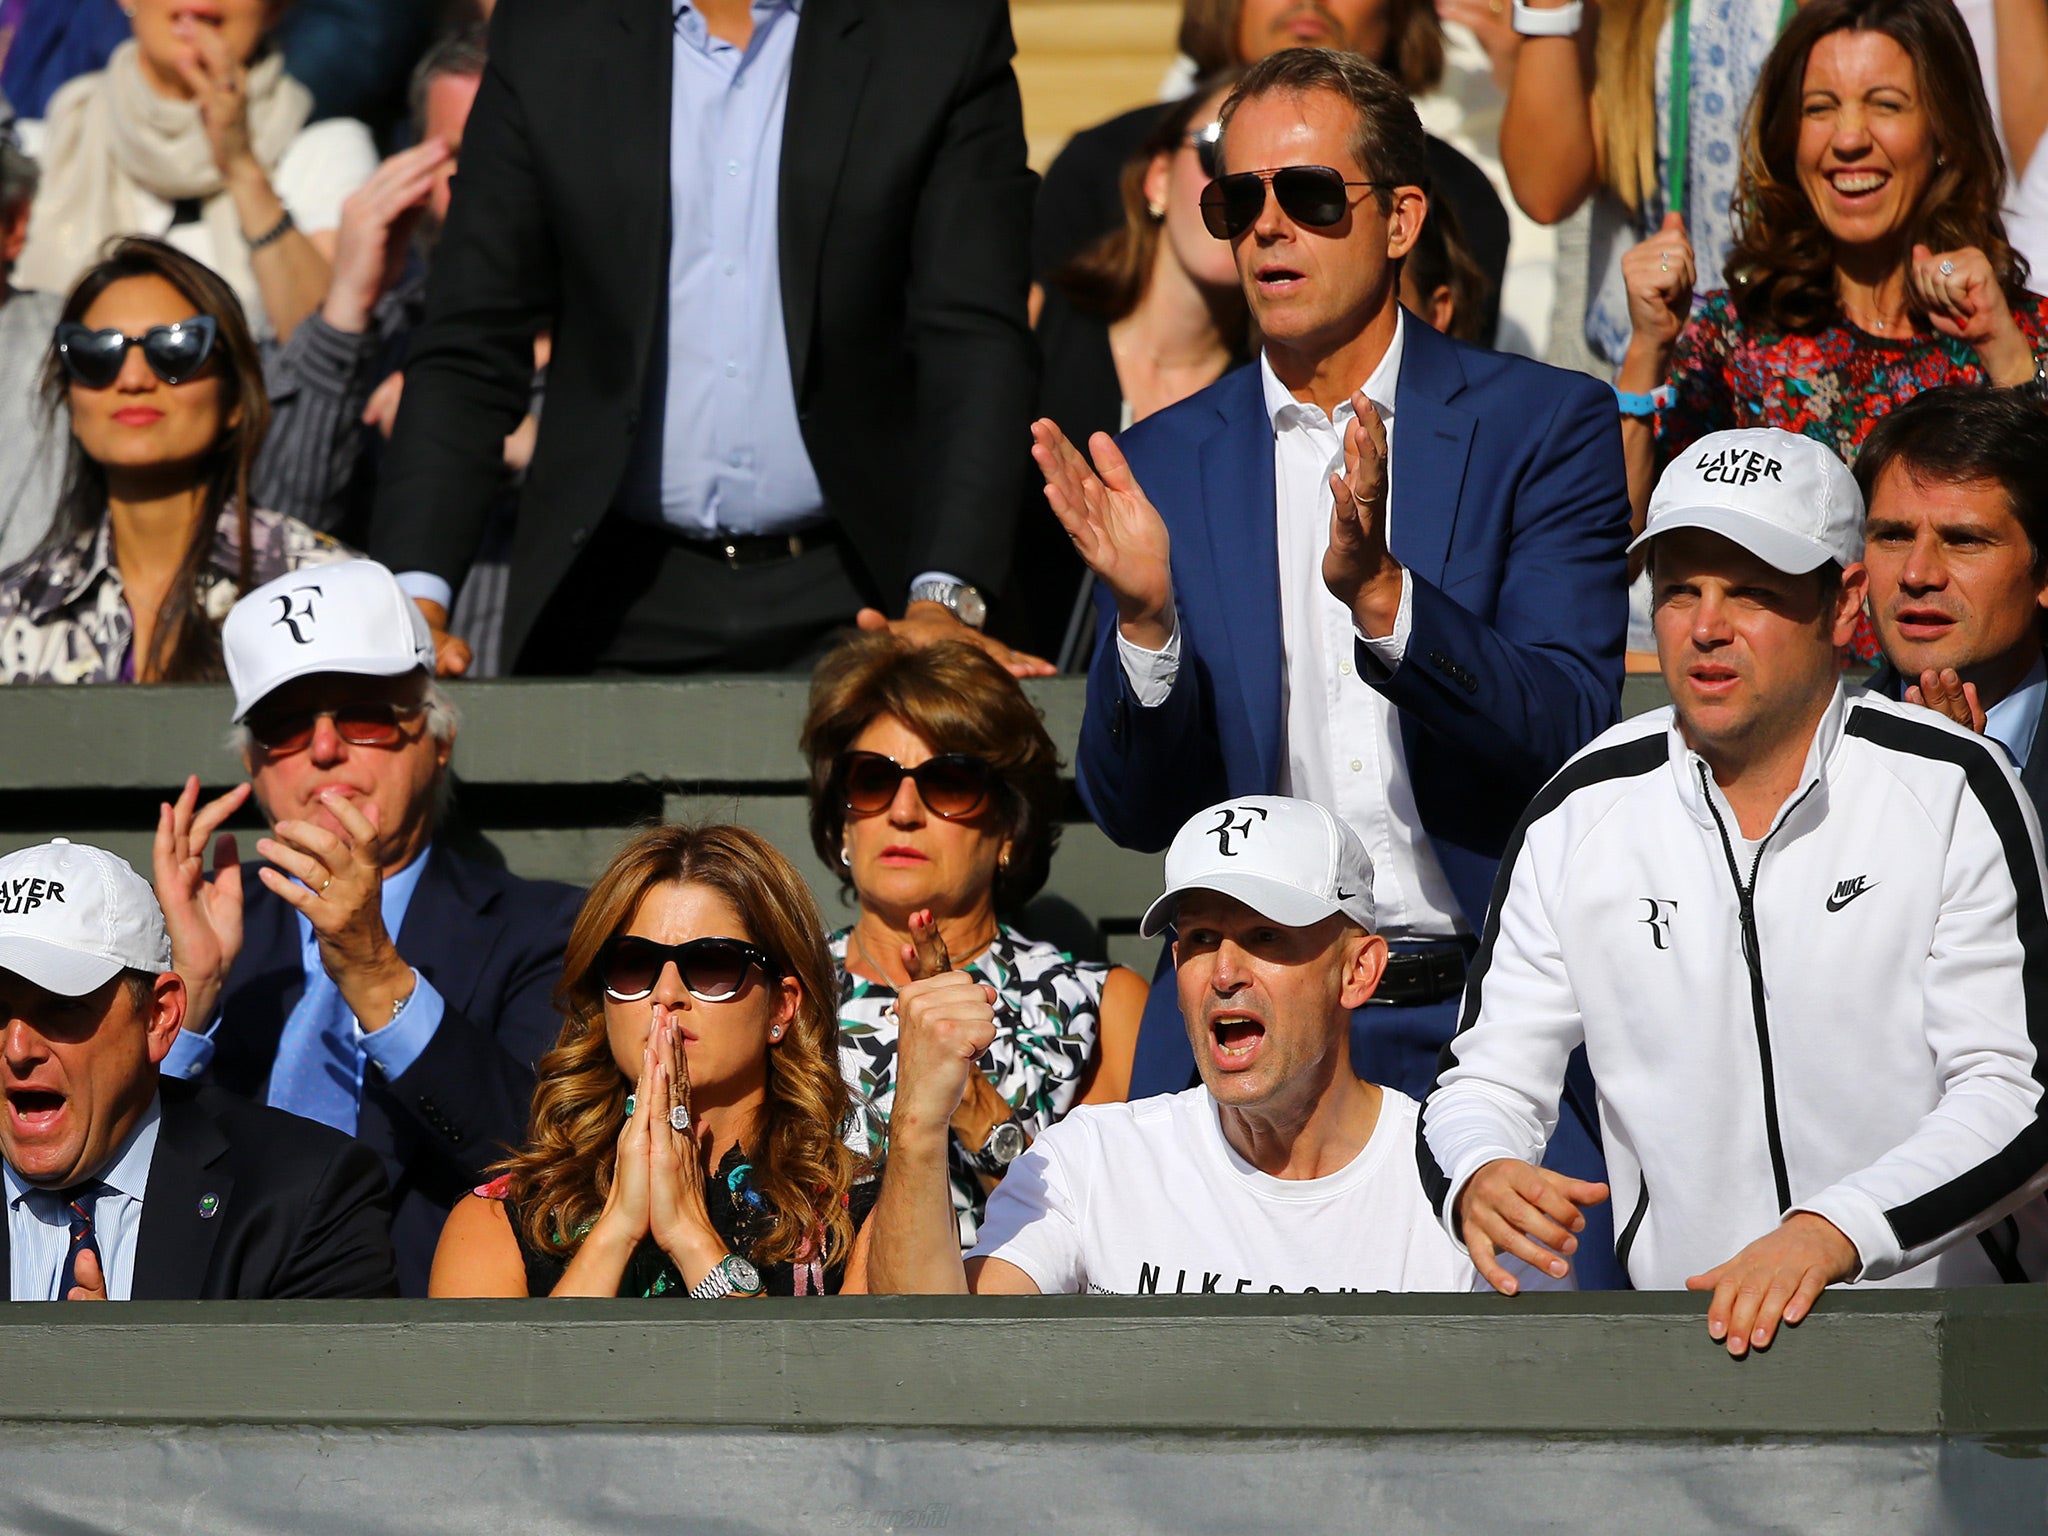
(1362,501)
(324,884)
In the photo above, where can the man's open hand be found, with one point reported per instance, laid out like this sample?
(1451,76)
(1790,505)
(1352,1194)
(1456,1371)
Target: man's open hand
(1510,1206)
(1776,1278)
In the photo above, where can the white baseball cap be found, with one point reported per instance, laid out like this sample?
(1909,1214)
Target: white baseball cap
(1290,861)
(347,617)
(72,917)
(1784,498)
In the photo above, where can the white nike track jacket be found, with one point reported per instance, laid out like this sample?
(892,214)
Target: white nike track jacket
(1847,1017)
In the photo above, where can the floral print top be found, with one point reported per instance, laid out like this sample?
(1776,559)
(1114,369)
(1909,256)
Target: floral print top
(1831,384)
(1047,1008)
(64,617)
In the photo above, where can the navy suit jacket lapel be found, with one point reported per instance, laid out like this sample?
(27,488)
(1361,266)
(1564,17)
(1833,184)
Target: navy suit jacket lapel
(175,1244)
(828,72)
(1244,548)
(277,980)
(444,936)
(1432,447)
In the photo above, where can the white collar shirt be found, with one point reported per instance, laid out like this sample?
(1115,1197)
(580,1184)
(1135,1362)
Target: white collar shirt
(39,1223)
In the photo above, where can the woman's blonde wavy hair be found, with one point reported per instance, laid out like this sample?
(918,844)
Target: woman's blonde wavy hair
(801,1167)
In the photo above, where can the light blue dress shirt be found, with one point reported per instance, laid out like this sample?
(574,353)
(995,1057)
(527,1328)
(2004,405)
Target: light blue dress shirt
(39,1223)
(396,1046)
(730,457)
(2012,720)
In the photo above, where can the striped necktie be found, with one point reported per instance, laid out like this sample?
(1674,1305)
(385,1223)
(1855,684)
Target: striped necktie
(81,1202)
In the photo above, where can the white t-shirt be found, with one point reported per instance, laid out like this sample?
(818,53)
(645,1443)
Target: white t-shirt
(1149,1199)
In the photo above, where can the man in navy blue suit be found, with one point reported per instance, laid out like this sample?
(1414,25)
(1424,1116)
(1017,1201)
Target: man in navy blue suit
(369,977)
(1378,569)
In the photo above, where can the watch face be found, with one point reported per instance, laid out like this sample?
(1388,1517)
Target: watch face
(743,1275)
(969,605)
(1006,1142)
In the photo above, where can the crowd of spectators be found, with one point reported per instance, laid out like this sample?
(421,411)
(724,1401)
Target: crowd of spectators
(347,346)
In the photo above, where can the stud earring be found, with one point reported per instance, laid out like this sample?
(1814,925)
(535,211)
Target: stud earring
(846,856)
(775,1033)
(1156,209)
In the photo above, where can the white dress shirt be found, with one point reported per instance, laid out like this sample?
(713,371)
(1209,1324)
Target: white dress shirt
(1343,738)
(39,1223)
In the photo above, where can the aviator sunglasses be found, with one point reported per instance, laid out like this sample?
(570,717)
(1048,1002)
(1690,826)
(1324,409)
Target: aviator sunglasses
(952,785)
(174,352)
(713,970)
(1314,196)
(360,725)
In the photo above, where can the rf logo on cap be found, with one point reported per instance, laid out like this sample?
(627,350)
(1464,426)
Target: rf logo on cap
(293,609)
(1234,821)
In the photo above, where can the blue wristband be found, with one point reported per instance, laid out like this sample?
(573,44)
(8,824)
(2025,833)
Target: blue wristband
(1643,406)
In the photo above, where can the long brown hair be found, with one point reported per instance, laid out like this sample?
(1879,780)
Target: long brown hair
(801,1167)
(186,644)
(1625,96)
(1109,278)
(1415,40)
(1782,267)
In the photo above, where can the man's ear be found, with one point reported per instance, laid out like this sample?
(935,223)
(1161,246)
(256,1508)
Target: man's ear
(166,1015)
(1849,603)
(1404,220)
(1365,962)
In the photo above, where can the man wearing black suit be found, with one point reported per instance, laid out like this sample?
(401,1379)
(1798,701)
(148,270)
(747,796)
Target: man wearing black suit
(1955,487)
(370,978)
(782,247)
(121,1185)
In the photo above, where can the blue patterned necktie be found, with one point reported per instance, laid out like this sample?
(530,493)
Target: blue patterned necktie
(81,1201)
(317,1073)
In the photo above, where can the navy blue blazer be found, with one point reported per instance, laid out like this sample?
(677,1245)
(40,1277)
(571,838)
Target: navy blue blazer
(491,944)
(1511,515)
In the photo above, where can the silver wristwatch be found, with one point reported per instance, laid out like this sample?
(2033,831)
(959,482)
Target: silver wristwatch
(731,1275)
(1004,1146)
(967,603)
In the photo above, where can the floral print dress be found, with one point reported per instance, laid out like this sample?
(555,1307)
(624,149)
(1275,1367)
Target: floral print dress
(1047,1010)
(1830,384)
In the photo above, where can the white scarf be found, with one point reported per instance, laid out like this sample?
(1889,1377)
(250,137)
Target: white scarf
(111,135)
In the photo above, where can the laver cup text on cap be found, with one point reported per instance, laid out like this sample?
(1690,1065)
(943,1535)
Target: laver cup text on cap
(1738,466)
(19,896)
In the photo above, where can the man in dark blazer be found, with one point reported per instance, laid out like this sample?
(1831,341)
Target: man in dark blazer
(1379,569)
(120,1184)
(370,977)
(782,249)
(1955,490)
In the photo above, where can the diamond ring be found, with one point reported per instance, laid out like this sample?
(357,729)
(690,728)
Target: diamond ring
(679,1119)
(1948,269)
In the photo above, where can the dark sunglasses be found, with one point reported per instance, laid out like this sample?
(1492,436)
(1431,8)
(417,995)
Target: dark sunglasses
(174,352)
(713,970)
(1314,196)
(360,725)
(951,785)
(1205,142)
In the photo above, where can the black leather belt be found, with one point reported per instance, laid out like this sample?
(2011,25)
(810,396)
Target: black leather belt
(741,549)
(1423,976)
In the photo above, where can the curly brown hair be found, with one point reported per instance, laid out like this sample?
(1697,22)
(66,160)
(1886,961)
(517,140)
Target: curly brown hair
(959,700)
(801,1166)
(1781,269)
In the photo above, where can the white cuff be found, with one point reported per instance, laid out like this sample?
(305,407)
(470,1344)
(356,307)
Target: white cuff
(1551,21)
(426,587)
(1858,1218)
(1150,673)
(1389,650)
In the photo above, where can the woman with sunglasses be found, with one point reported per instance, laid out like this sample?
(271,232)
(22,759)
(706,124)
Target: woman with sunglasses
(687,1131)
(935,795)
(154,537)
(1140,320)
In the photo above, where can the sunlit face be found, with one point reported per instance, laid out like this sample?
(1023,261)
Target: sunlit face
(1268,1008)
(162,28)
(1866,143)
(905,857)
(1314,290)
(726,1044)
(449,98)
(1268,26)
(1952,579)
(1748,652)
(138,422)
(399,781)
(1175,181)
(77,1073)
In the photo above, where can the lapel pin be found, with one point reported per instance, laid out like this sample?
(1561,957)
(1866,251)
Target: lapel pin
(209,1205)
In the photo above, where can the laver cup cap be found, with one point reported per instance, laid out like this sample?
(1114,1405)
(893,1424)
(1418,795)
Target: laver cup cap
(73,917)
(347,617)
(1290,861)
(1784,498)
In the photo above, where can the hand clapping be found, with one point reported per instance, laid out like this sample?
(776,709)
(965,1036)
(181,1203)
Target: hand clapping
(204,918)
(336,880)
(1117,532)
(945,1019)
(1358,568)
